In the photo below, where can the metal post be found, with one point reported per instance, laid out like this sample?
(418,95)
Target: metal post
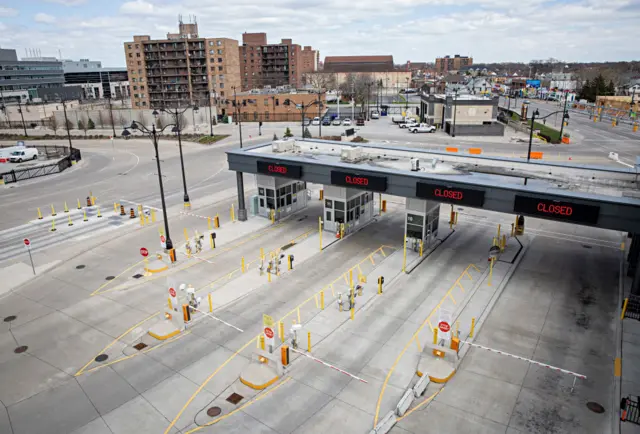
(113,126)
(31,259)
(319,115)
(564,110)
(184,178)
(455,111)
(210,115)
(242,212)
(533,120)
(66,123)
(169,244)
(24,126)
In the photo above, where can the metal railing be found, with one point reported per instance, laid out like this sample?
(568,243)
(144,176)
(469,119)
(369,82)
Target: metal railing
(16,175)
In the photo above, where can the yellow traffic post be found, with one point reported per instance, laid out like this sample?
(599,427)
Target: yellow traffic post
(262,342)
(421,248)
(504,242)
(208,223)
(186,235)
(153,215)
(242,264)
(322,300)
(216,221)
(272,216)
(491,271)
(309,342)
(624,308)
(53,225)
(70,222)
(473,327)
(457,329)
(141,215)
(281,331)
(384,206)
(93,201)
(341,230)
(99,215)
(299,319)
(380,285)
(210,303)
(269,276)
(211,242)
(115,207)
(39,214)
(233,216)
(261,254)
(53,211)
(455,222)
(404,255)
(352,313)
(320,231)
(321,194)
(289,262)
(85,219)
(435,335)
(66,209)
(169,303)
(79,204)
(498,230)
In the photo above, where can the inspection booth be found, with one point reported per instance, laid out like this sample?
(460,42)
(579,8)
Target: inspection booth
(421,223)
(350,206)
(284,196)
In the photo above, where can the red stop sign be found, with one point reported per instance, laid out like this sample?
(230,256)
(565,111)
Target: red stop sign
(172,292)
(268,332)
(26,242)
(144,252)
(444,326)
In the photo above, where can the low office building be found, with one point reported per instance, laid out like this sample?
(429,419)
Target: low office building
(275,105)
(95,81)
(462,115)
(376,69)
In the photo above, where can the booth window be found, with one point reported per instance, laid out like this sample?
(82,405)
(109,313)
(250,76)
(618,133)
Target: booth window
(261,191)
(328,203)
(270,192)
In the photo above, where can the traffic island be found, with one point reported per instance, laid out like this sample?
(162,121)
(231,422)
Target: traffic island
(163,330)
(264,370)
(438,362)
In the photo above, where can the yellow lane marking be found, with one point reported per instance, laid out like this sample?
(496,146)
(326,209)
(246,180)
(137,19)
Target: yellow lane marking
(252,340)
(415,336)
(253,401)
(426,401)
(617,367)
(114,341)
(104,285)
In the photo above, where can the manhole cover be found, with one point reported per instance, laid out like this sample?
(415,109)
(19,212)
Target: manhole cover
(595,407)
(109,277)
(140,346)
(101,357)
(79,267)
(586,246)
(10,318)
(137,276)
(234,398)
(21,349)
(214,411)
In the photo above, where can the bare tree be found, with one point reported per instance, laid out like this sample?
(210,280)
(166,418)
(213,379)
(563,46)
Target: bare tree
(122,120)
(53,121)
(100,119)
(141,117)
(321,80)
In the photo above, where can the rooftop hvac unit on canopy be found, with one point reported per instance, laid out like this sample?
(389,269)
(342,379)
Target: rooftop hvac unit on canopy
(283,145)
(351,155)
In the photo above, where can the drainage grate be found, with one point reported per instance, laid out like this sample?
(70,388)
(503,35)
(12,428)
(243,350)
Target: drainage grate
(287,246)
(10,318)
(140,346)
(214,411)
(21,349)
(595,407)
(101,357)
(234,398)
(302,218)
(137,276)
(586,246)
(109,277)
(629,410)
(79,267)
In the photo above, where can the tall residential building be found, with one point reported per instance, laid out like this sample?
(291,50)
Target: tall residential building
(182,69)
(447,63)
(273,65)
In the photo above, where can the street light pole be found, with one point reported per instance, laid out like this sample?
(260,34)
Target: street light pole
(319,115)
(24,126)
(564,110)
(113,126)
(66,123)
(455,111)
(177,114)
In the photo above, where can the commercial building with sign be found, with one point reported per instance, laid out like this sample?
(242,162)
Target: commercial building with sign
(462,115)
(275,105)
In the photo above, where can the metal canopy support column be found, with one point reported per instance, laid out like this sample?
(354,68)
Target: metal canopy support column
(632,258)
(242,211)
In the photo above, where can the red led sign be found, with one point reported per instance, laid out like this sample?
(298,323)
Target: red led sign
(280,169)
(356,180)
(444,193)
(274,168)
(557,210)
(359,180)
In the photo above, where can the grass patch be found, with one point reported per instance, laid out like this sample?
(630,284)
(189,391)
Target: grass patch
(207,140)
(359,139)
(550,134)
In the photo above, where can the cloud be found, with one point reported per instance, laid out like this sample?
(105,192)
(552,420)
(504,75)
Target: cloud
(8,12)
(67,2)
(44,18)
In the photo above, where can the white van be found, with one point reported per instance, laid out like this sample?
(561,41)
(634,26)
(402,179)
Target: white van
(316,121)
(23,155)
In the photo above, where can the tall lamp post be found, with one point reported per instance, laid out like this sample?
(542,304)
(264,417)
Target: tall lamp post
(564,112)
(455,111)
(24,126)
(242,211)
(177,128)
(152,134)
(302,109)
(534,116)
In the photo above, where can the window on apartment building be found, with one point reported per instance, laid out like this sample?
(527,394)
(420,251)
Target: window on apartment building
(221,77)
(219,59)
(277,102)
(212,51)
(137,54)
(139,71)
(134,79)
(220,68)
(219,51)
(137,46)
(221,93)
(135,87)
(221,85)
(251,48)
(266,101)
(144,103)
(129,46)
(130,54)
(211,43)
(137,104)
(218,43)
(139,63)
(141,87)
(141,79)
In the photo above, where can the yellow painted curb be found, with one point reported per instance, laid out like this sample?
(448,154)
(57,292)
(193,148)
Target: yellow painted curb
(260,387)
(156,270)
(419,374)
(165,337)
(442,380)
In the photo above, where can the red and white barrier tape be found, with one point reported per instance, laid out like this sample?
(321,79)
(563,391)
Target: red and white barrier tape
(544,365)
(328,365)
(194,215)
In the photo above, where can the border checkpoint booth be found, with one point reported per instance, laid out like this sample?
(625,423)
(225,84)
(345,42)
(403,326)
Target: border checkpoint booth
(281,195)
(421,223)
(351,206)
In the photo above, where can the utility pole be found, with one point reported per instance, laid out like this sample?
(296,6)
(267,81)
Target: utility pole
(319,115)
(24,126)
(564,111)
(455,111)
(113,126)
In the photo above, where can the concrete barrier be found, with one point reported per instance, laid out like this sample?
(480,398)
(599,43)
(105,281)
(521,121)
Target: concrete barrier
(385,425)
(421,385)
(475,151)
(405,402)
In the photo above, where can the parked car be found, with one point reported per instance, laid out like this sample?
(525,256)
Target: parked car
(326,121)
(408,123)
(336,122)
(398,119)
(23,155)
(360,122)
(422,128)
(375,115)
(316,121)
(346,121)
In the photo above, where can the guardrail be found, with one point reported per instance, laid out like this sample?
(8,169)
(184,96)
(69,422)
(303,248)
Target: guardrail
(16,175)
(50,151)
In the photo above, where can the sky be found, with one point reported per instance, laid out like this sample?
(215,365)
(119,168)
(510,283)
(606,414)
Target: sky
(416,30)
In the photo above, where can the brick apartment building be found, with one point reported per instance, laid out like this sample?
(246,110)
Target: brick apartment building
(272,65)
(268,106)
(447,64)
(182,69)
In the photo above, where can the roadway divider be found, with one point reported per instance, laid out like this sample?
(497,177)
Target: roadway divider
(475,151)
(536,155)
(450,149)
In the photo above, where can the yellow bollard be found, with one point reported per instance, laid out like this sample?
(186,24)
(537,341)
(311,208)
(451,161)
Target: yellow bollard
(85,219)
(457,329)
(309,342)
(281,331)
(53,225)
(322,300)
(210,303)
(272,215)
(216,221)
(169,303)
(421,248)
(473,327)
(141,215)
(289,262)
(186,235)
(352,314)
(115,207)
(624,308)
(209,223)
(384,206)
(153,215)
(53,211)
(269,276)
(99,215)
(498,230)
(233,216)
(147,218)
(93,201)
(242,264)
(39,214)
(504,242)
(66,209)
(321,194)
(261,254)
(70,222)
(79,205)
(320,231)
(404,257)
(456,220)
(435,336)
(262,342)
(211,242)
(380,285)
